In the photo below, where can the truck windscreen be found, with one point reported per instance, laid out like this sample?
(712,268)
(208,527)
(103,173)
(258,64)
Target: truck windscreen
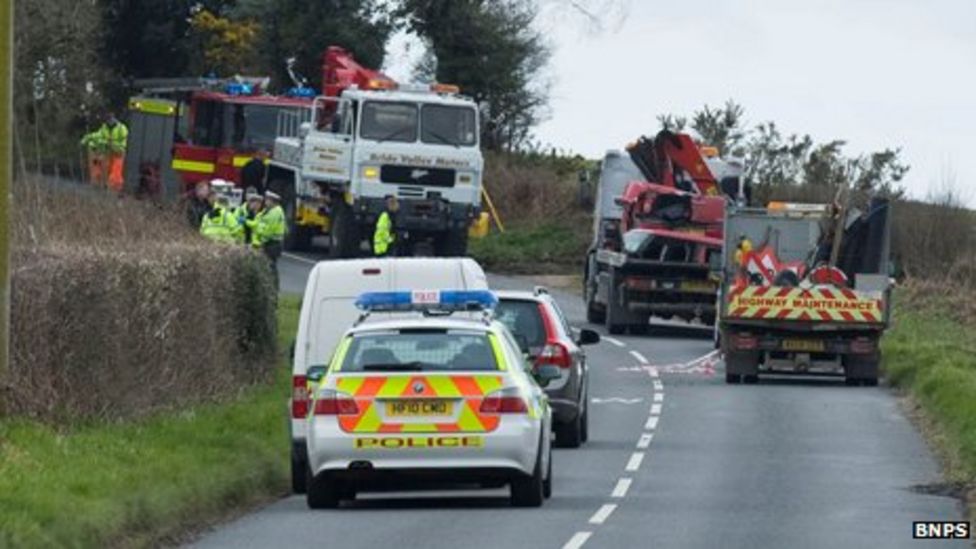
(252,126)
(448,125)
(389,121)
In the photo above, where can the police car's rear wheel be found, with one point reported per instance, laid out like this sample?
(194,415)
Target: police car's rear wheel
(298,467)
(322,491)
(529,491)
(547,484)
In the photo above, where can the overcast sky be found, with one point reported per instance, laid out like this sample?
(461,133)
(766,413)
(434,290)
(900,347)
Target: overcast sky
(877,73)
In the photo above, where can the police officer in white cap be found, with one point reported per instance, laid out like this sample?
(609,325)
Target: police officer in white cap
(269,229)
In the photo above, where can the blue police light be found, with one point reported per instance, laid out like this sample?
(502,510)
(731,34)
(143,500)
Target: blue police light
(238,88)
(423,300)
(300,91)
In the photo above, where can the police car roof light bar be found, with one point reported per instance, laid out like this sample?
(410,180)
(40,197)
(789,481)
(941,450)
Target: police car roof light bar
(427,300)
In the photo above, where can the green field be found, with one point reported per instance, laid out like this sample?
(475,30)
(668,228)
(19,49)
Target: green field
(135,483)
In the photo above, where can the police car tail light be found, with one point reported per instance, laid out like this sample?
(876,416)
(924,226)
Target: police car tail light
(299,397)
(333,403)
(555,353)
(506,401)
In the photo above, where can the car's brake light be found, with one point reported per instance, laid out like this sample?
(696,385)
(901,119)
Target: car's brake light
(554,352)
(506,401)
(333,403)
(299,397)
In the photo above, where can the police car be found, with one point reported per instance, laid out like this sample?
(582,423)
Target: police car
(443,395)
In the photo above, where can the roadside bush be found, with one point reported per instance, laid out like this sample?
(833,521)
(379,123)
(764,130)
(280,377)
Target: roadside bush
(118,310)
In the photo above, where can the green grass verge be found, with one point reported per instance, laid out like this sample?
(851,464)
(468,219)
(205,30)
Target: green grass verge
(933,357)
(545,248)
(132,483)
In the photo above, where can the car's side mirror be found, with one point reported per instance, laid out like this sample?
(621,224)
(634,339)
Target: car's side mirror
(588,337)
(314,374)
(545,373)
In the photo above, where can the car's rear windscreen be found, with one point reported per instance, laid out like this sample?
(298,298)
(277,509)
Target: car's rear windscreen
(420,350)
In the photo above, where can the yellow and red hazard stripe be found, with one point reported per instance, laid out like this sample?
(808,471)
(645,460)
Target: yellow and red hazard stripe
(468,391)
(829,304)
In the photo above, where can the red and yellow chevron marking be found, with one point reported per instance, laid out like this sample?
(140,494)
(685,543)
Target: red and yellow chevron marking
(825,303)
(371,393)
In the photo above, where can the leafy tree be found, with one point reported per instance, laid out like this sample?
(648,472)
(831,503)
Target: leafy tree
(56,81)
(721,127)
(303,29)
(228,45)
(491,50)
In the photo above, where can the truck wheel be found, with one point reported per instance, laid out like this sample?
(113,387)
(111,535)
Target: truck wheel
(742,364)
(615,326)
(594,313)
(344,238)
(861,370)
(640,329)
(732,379)
(453,243)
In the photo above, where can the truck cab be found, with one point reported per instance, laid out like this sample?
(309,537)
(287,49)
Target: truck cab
(416,143)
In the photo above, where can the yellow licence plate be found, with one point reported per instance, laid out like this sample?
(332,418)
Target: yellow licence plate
(804,345)
(697,286)
(419,408)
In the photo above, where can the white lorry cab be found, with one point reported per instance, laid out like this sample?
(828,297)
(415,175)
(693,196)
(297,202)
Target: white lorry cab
(329,310)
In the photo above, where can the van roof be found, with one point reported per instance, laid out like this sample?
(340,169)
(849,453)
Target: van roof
(441,323)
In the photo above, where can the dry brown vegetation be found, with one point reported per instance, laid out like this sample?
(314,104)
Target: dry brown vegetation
(119,309)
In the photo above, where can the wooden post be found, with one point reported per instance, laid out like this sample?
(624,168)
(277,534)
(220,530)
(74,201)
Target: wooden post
(6,68)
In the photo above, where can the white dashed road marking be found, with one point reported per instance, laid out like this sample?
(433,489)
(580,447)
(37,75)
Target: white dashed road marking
(613,340)
(658,397)
(645,440)
(658,386)
(635,461)
(640,358)
(655,409)
(603,513)
(577,541)
(651,423)
(299,258)
(620,490)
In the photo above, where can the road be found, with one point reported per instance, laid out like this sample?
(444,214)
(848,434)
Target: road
(676,459)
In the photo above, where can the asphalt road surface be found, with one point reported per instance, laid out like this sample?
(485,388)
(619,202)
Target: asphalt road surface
(676,458)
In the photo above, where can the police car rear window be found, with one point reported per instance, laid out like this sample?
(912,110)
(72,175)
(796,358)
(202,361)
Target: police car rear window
(420,351)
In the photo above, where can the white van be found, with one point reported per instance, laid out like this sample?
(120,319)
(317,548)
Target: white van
(328,310)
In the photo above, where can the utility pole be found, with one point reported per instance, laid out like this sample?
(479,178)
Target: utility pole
(6,173)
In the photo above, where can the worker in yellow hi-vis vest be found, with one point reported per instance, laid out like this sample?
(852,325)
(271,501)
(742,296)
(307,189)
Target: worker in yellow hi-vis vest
(384,238)
(116,136)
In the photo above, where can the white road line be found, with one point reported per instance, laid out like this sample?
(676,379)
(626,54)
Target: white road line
(635,461)
(299,258)
(652,423)
(653,372)
(620,490)
(658,386)
(640,358)
(655,409)
(658,397)
(603,513)
(577,541)
(645,440)
(614,340)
